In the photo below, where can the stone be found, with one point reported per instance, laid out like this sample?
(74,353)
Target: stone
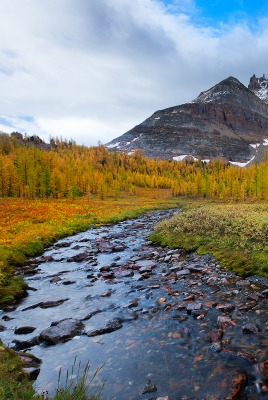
(149,388)
(62,331)
(46,304)
(225,322)
(31,372)
(250,328)
(214,336)
(183,272)
(78,257)
(193,306)
(24,330)
(111,326)
(26,344)
(148,264)
(225,307)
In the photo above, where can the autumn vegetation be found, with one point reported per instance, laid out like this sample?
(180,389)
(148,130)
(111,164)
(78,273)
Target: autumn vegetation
(48,191)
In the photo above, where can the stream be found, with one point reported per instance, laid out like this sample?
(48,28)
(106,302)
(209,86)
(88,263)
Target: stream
(159,323)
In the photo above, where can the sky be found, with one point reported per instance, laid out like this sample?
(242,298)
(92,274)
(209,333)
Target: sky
(90,70)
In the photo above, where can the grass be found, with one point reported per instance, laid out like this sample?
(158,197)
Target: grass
(236,234)
(15,386)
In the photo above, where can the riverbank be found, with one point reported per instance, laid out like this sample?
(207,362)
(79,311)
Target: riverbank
(109,297)
(235,233)
(29,226)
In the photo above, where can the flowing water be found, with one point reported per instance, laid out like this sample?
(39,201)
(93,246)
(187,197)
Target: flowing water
(164,306)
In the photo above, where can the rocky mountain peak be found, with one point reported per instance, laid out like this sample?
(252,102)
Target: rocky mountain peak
(259,86)
(228,120)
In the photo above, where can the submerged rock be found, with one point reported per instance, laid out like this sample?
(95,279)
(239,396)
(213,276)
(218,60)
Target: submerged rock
(111,326)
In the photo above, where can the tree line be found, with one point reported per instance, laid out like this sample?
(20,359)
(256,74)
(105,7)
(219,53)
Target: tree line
(30,169)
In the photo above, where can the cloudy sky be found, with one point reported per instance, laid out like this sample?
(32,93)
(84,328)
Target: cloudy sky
(92,69)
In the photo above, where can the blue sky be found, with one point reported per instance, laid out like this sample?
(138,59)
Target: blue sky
(216,12)
(91,70)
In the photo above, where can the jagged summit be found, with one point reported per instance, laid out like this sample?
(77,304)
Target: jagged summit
(228,120)
(259,86)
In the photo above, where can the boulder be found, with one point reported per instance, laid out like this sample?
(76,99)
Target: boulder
(62,331)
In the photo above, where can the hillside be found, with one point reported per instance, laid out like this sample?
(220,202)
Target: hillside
(228,121)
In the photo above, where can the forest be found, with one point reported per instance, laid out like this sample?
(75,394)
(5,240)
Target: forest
(31,169)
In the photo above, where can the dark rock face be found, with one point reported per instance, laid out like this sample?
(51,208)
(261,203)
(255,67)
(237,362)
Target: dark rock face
(221,122)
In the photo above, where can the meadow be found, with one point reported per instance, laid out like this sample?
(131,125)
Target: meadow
(235,233)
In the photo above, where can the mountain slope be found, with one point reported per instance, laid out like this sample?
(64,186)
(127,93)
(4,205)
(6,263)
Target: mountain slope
(222,121)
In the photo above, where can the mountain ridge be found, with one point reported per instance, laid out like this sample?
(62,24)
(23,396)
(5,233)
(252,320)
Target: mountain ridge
(226,121)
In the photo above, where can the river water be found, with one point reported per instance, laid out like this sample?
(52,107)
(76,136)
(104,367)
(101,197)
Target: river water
(185,328)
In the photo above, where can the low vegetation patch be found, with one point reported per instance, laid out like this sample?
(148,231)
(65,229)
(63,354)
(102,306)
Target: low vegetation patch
(237,234)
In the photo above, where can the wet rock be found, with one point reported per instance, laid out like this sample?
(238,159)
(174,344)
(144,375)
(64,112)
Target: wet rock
(55,279)
(243,283)
(6,318)
(225,307)
(106,294)
(180,318)
(124,273)
(26,344)
(112,326)
(91,315)
(24,330)
(183,272)
(236,354)
(45,304)
(265,293)
(62,331)
(247,306)
(63,244)
(48,258)
(214,336)
(193,306)
(105,268)
(2,328)
(31,365)
(148,264)
(236,386)
(216,346)
(212,281)
(133,303)
(262,371)
(31,373)
(250,328)
(149,388)
(254,296)
(29,271)
(225,322)
(159,398)
(78,257)
(9,308)
(68,283)
(49,304)
(117,248)
(108,275)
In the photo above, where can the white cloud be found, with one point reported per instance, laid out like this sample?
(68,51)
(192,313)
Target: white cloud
(91,70)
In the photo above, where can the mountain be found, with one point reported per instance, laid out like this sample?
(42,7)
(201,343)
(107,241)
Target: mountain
(229,120)
(259,86)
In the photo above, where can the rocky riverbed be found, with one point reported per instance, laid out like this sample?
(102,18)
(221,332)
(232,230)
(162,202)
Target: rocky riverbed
(162,324)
